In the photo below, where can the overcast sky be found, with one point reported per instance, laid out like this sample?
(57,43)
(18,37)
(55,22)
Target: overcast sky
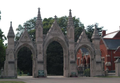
(104,12)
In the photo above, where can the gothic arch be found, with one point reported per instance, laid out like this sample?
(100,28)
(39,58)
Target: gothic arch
(92,57)
(32,48)
(87,46)
(65,52)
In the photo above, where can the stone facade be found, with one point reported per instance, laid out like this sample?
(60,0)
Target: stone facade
(39,47)
(117,67)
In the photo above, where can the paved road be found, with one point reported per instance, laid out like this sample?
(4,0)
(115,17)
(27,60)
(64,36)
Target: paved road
(61,79)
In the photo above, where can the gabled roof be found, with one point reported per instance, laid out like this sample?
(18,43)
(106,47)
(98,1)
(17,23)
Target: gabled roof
(111,35)
(112,44)
(83,37)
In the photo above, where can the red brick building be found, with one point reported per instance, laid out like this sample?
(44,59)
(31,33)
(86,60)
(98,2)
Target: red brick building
(110,49)
(83,58)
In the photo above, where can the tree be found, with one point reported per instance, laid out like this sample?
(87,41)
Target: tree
(2,49)
(0,15)
(90,30)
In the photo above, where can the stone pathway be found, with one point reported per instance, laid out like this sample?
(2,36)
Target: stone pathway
(61,79)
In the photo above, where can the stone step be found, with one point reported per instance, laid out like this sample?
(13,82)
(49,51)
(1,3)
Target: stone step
(111,74)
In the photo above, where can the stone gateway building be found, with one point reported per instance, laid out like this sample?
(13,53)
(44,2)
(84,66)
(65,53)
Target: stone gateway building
(39,46)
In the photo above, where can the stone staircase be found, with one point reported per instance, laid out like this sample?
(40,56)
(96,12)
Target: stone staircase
(111,74)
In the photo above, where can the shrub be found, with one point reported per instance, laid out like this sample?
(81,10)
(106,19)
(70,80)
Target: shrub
(87,72)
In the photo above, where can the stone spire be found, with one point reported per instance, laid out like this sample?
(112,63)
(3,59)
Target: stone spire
(39,20)
(95,33)
(70,19)
(11,32)
(55,19)
(39,16)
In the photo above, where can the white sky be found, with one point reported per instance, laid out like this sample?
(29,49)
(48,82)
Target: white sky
(104,12)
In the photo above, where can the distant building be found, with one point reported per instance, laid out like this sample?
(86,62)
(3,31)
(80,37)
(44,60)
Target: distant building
(110,49)
(83,58)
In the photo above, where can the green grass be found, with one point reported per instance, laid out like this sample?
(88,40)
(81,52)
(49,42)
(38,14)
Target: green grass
(11,82)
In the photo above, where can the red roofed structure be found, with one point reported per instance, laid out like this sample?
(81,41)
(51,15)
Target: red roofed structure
(110,49)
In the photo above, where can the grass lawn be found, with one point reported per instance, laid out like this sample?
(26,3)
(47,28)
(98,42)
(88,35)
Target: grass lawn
(11,82)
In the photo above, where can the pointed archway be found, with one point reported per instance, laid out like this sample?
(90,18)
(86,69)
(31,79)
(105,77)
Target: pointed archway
(54,59)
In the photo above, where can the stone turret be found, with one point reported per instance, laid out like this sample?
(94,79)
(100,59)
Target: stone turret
(96,45)
(70,28)
(39,43)
(11,32)
(70,19)
(39,28)
(9,68)
(95,34)
(71,43)
(39,20)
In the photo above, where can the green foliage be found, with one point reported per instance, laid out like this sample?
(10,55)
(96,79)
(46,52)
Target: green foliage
(0,15)
(24,61)
(2,49)
(90,30)
(87,72)
(2,54)
(47,22)
(30,25)
(2,36)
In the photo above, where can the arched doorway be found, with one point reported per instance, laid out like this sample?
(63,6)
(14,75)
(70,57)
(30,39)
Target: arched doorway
(24,62)
(31,54)
(83,57)
(65,54)
(54,59)
(86,54)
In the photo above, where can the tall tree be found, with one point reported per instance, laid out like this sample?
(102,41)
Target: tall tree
(0,15)
(2,49)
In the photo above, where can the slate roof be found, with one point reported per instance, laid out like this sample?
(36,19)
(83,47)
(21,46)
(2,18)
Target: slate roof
(112,44)
(85,51)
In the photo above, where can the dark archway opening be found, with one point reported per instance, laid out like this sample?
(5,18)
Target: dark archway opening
(24,62)
(54,59)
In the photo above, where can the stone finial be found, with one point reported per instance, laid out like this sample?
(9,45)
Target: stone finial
(70,14)
(70,19)
(95,33)
(39,16)
(11,32)
(25,27)
(39,20)
(55,18)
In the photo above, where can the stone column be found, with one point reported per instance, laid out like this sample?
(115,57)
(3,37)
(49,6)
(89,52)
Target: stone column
(10,56)
(117,67)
